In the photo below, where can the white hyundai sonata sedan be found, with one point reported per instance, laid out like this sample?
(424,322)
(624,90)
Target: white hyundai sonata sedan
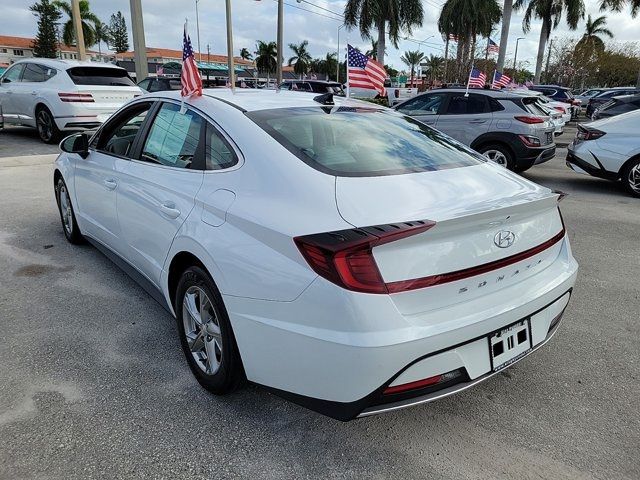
(343,255)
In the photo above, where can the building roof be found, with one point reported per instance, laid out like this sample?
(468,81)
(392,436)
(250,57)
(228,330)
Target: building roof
(177,54)
(27,43)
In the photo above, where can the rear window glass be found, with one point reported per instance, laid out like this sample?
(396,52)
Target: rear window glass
(100,76)
(350,141)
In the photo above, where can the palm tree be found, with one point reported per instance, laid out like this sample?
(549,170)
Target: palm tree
(504,34)
(245,54)
(591,42)
(434,65)
(266,57)
(301,58)
(465,19)
(397,15)
(88,30)
(373,53)
(616,6)
(329,64)
(550,12)
(103,34)
(412,59)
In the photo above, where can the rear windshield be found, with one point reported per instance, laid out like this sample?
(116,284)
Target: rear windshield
(348,141)
(116,77)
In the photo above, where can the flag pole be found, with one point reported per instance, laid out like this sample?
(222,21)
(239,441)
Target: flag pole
(347,68)
(493,80)
(230,63)
(466,93)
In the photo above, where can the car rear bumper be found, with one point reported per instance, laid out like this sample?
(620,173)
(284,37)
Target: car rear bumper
(580,165)
(342,373)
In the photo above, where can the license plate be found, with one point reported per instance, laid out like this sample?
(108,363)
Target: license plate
(509,344)
(549,137)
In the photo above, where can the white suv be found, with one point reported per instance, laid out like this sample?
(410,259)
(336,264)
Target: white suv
(55,95)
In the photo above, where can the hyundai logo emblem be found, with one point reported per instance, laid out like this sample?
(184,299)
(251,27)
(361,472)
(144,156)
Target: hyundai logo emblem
(504,239)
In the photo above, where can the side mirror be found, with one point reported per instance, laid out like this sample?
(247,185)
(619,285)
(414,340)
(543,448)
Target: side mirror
(76,143)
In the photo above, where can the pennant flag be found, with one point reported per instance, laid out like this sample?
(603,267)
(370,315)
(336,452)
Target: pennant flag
(500,80)
(190,76)
(365,72)
(476,78)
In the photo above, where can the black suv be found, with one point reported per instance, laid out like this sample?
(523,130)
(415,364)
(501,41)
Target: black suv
(616,106)
(315,86)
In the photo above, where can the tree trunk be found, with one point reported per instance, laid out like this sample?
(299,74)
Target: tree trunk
(638,81)
(381,42)
(446,58)
(544,36)
(504,35)
(411,85)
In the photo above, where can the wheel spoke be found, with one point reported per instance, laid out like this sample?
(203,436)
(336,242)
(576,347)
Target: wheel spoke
(202,329)
(192,307)
(212,348)
(197,341)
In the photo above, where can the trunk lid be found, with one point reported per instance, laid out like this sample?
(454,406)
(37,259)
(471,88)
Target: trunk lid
(472,207)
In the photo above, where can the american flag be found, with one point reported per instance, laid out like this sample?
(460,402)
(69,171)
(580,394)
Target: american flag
(365,72)
(453,37)
(190,76)
(528,83)
(500,80)
(492,47)
(477,78)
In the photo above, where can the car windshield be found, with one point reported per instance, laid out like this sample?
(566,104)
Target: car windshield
(357,141)
(117,77)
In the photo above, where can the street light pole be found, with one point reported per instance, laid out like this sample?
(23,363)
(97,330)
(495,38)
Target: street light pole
(230,65)
(338,56)
(139,46)
(198,32)
(515,58)
(280,40)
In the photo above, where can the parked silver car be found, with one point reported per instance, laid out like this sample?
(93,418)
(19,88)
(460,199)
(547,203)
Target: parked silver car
(509,129)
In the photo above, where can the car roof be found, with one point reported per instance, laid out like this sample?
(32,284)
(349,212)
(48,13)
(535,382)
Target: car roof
(249,99)
(321,82)
(628,98)
(66,64)
(498,94)
(551,86)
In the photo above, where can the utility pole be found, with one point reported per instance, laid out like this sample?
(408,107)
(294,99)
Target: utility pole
(548,58)
(139,46)
(198,32)
(280,41)
(515,58)
(230,66)
(504,35)
(208,62)
(77,26)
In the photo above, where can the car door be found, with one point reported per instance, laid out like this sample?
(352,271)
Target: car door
(30,90)
(8,86)
(425,108)
(158,187)
(97,178)
(465,116)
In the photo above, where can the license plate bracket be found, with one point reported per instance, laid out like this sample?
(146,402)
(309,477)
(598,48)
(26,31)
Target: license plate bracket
(509,344)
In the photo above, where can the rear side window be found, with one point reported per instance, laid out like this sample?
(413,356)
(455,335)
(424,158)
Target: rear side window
(219,153)
(37,73)
(360,142)
(459,104)
(115,77)
(174,138)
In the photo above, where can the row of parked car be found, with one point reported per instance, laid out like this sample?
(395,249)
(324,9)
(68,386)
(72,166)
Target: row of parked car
(513,128)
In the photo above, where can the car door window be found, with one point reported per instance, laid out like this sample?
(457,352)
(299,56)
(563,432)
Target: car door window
(13,74)
(428,104)
(118,135)
(459,104)
(219,154)
(174,138)
(144,84)
(37,73)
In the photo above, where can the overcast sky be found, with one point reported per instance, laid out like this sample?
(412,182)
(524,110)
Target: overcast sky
(256,20)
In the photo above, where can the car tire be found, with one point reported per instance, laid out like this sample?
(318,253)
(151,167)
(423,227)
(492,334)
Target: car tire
(46,126)
(206,335)
(630,177)
(499,154)
(67,215)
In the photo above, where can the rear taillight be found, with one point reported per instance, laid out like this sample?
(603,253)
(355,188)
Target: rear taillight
(529,119)
(561,109)
(530,140)
(427,382)
(584,133)
(561,195)
(345,257)
(75,97)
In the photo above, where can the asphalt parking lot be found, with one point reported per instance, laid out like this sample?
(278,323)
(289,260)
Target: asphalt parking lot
(94,384)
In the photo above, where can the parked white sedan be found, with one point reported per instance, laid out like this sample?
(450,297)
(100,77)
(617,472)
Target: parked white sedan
(610,149)
(343,255)
(58,95)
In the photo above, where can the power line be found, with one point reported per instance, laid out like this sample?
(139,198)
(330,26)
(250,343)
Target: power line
(311,11)
(321,8)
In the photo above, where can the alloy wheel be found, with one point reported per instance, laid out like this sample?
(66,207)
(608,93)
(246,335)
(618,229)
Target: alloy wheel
(634,178)
(65,209)
(45,125)
(202,329)
(496,156)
